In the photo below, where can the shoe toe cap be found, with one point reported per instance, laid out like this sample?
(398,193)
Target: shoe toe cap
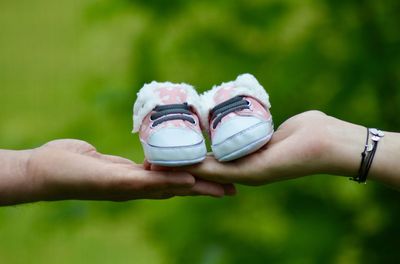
(233,126)
(175,137)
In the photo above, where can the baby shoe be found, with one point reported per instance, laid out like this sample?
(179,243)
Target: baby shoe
(166,117)
(238,118)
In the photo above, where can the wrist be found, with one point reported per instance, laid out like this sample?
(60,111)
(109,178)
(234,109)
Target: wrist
(40,169)
(341,150)
(343,146)
(15,186)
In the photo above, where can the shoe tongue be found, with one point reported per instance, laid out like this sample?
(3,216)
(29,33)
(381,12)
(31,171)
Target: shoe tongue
(172,95)
(223,94)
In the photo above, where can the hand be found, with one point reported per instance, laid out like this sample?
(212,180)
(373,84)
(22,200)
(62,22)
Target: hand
(308,143)
(73,169)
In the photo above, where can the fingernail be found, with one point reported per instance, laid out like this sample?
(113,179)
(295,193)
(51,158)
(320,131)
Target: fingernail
(230,190)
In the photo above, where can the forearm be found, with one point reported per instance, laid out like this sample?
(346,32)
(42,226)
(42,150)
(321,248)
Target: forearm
(344,150)
(386,166)
(15,185)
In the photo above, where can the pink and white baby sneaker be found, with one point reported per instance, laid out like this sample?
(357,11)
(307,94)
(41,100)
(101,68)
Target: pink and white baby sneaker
(238,117)
(166,117)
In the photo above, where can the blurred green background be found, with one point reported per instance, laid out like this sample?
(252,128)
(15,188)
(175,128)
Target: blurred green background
(71,69)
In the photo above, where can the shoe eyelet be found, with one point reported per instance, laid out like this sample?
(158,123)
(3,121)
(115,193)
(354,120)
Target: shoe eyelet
(249,104)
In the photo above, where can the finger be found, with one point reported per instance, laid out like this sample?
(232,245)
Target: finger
(73,145)
(146,164)
(157,180)
(202,187)
(229,189)
(155,167)
(109,158)
(116,159)
(212,170)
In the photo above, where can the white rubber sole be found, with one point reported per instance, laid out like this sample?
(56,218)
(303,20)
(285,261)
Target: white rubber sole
(243,143)
(175,156)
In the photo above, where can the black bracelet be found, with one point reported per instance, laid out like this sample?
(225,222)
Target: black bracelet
(367,156)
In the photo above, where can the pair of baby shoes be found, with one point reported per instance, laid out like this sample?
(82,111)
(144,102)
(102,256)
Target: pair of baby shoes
(170,118)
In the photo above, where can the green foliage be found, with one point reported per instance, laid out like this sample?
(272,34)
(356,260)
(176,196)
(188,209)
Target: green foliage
(72,69)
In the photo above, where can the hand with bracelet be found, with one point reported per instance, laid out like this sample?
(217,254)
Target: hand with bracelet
(312,143)
(73,169)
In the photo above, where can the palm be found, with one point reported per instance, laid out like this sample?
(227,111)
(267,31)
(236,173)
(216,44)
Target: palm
(73,169)
(286,156)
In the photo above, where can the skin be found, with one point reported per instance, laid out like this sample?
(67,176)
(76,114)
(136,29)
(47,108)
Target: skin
(73,169)
(306,144)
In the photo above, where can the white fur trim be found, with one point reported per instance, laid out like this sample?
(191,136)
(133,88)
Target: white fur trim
(147,100)
(245,84)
